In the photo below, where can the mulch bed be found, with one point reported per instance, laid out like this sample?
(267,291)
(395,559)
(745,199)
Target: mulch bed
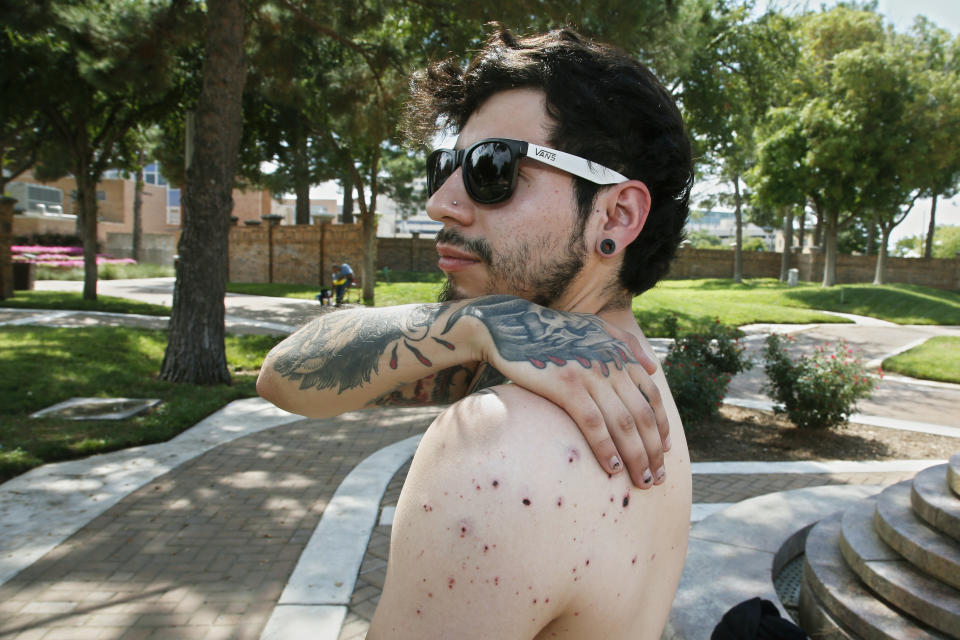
(748,434)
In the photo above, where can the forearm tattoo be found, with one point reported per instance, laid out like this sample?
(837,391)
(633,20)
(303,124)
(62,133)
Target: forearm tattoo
(344,350)
(523,331)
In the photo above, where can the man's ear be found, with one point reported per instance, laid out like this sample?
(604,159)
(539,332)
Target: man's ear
(626,207)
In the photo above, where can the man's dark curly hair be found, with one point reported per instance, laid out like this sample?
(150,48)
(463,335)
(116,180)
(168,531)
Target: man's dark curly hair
(608,108)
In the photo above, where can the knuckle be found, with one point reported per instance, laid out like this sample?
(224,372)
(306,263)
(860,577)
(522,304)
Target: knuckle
(626,423)
(592,421)
(647,416)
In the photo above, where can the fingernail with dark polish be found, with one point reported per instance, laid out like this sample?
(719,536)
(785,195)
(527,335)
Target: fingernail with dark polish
(661,472)
(647,477)
(615,464)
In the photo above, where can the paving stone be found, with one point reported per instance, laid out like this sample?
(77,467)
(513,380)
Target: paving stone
(198,577)
(933,501)
(843,595)
(909,536)
(893,578)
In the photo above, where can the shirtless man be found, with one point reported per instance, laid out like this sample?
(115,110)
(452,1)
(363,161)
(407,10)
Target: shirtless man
(505,527)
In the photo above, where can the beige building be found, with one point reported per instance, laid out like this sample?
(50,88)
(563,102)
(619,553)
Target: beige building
(38,213)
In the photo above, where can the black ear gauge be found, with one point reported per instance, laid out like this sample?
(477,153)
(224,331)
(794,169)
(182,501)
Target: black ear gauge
(607,246)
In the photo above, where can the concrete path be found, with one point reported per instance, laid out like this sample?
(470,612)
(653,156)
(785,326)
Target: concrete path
(222,532)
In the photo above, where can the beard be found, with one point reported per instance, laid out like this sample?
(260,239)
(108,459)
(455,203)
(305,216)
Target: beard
(533,270)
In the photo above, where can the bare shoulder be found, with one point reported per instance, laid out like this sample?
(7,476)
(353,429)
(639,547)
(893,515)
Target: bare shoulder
(505,509)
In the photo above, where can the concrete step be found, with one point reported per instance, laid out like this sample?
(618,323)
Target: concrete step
(923,547)
(932,500)
(847,601)
(953,473)
(816,621)
(891,577)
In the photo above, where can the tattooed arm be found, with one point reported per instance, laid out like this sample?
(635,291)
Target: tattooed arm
(369,357)
(426,354)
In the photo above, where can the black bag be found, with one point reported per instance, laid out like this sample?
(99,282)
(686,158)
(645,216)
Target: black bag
(756,619)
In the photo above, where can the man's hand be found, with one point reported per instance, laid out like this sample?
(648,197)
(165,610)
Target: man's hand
(597,373)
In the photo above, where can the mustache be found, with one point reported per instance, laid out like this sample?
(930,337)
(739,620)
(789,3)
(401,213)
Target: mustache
(454,238)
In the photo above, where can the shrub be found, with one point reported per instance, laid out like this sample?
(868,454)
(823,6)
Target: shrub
(699,366)
(817,391)
(697,389)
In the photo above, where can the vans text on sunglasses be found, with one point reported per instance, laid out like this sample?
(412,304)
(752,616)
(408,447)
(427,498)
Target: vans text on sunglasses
(490,167)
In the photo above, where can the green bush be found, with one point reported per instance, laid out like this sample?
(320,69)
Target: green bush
(699,366)
(818,391)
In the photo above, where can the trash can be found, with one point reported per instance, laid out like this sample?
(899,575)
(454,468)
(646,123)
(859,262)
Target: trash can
(24,274)
(793,277)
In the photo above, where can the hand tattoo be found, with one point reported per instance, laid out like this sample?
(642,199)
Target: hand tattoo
(523,331)
(345,349)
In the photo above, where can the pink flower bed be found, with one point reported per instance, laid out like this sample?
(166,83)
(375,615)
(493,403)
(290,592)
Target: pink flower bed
(66,257)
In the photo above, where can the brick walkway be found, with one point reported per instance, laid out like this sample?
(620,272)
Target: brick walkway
(205,550)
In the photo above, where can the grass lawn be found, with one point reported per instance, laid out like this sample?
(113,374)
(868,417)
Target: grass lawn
(74,301)
(41,366)
(936,359)
(107,272)
(699,301)
(768,300)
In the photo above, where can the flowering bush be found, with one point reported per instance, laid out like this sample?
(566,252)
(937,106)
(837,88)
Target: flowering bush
(697,389)
(67,257)
(699,366)
(818,391)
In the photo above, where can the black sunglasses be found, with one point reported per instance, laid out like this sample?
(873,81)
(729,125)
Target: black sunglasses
(490,167)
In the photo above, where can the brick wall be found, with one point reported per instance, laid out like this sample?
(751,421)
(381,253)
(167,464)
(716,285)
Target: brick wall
(407,254)
(297,259)
(294,254)
(718,263)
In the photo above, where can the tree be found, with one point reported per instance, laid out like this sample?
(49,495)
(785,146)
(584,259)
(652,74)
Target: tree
(195,350)
(937,63)
(728,87)
(100,73)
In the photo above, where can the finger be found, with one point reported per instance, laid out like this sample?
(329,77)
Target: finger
(651,392)
(590,420)
(644,381)
(623,429)
(647,362)
(646,424)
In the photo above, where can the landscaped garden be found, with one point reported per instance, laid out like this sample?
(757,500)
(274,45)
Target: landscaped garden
(42,366)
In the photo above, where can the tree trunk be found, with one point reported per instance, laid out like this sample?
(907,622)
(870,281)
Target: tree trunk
(195,351)
(301,178)
(138,210)
(830,253)
(871,235)
(803,229)
(87,226)
(931,229)
(818,231)
(738,248)
(347,215)
(787,244)
(879,275)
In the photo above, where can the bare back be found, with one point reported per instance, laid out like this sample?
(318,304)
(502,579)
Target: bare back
(508,528)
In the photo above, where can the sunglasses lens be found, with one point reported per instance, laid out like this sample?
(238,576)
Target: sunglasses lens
(489,171)
(440,165)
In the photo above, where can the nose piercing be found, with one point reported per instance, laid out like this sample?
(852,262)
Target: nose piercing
(454,203)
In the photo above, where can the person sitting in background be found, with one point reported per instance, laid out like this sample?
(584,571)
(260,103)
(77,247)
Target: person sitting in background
(342,279)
